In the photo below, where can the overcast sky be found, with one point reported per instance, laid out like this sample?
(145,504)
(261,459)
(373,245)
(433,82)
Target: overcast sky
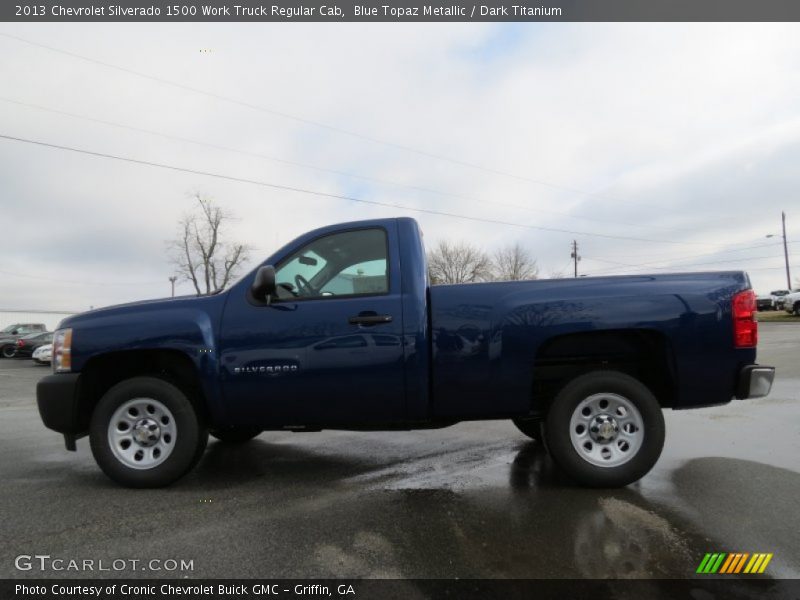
(685,137)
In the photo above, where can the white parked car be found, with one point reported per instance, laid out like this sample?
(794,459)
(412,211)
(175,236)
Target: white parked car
(791,303)
(43,354)
(764,302)
(777,298)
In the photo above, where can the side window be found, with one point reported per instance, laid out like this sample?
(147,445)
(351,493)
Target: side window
(294,276)
(341,264)
(368,277)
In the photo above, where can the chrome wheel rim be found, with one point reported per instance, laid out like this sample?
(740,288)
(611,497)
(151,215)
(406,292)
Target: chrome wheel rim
(142,433)
(606,430)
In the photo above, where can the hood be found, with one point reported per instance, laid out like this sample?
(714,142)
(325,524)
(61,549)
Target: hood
(192,301)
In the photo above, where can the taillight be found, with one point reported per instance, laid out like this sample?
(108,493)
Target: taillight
(745,326)
(20,343)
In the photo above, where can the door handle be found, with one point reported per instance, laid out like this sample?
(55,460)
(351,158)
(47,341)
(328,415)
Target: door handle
(369,318)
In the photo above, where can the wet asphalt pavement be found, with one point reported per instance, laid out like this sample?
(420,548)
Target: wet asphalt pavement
(474,500)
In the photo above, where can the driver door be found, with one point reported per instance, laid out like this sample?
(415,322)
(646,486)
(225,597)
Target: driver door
(328,350)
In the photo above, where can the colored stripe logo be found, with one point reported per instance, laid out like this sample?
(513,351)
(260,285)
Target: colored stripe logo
(734,562)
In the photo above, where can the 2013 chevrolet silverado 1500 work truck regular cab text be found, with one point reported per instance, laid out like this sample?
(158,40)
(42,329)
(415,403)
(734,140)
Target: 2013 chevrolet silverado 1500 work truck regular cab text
(344,331)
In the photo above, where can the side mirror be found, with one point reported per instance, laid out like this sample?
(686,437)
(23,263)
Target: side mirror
(15,332)
(263,287)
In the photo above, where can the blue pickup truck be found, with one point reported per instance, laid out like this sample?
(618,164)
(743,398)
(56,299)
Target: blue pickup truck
(340,329)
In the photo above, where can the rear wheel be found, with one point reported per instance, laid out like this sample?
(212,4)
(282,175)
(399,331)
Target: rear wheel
(235,435)
(605,429)
(146,433)
(9,350)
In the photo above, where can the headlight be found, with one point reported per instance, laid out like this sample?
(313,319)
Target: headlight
(62,351)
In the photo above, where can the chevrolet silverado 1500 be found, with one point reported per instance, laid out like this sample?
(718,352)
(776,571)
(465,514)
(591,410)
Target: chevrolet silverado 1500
(341,329)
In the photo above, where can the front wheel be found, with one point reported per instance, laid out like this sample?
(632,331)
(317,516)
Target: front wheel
(145,433)
(9,350)
(605,429)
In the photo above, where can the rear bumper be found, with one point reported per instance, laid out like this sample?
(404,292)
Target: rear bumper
(755,381)
(57,398)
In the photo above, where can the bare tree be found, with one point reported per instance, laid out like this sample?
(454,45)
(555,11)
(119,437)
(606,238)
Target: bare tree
(200,253)
(458,262)
(513,263)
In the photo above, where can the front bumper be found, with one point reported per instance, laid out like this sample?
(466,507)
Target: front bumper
(755,381)
(57,398)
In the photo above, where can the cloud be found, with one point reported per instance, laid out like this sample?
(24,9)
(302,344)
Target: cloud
(684,133)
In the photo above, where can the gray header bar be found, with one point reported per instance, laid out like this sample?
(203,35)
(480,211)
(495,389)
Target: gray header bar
(338,11)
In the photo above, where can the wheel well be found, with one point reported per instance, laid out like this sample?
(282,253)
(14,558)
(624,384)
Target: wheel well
(643,354)
(103,372)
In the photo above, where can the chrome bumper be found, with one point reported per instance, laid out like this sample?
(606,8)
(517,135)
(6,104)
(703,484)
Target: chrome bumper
(755,381)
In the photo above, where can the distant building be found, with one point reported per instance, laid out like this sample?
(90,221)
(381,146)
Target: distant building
(50,318)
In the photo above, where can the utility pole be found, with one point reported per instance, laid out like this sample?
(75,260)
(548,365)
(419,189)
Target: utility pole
(574,256)
(172,280)
(786,252)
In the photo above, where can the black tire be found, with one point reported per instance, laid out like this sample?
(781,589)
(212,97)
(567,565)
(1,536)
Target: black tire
(575,464)
(530,427)
(235,435)
(8,351)
(191,435)
(797,309)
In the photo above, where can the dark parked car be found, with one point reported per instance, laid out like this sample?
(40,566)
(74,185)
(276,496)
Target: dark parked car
(26,345)
(10,335)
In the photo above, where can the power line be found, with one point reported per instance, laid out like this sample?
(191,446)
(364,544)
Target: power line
(683,266)
(314,123)
(319,168)
(714,262)
(337,196)
(73,282)
(677,258)
(673,258)
(766,269)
